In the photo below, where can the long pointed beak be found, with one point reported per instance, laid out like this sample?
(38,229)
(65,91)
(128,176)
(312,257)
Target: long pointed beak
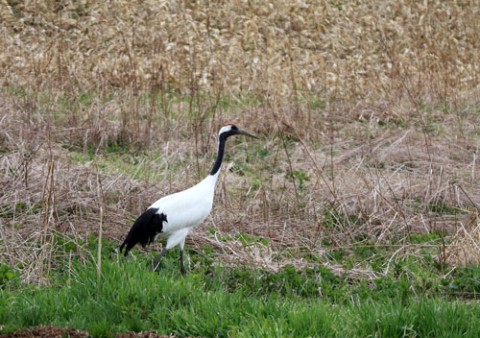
(243,132)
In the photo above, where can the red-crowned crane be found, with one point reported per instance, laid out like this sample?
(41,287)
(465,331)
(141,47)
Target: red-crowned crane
(174,216)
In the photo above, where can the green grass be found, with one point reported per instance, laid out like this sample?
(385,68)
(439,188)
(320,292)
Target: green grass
(214,301)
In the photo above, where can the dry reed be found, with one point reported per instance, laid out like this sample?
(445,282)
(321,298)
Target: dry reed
(367,110)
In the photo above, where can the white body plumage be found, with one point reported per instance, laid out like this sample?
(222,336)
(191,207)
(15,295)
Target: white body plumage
(185,210)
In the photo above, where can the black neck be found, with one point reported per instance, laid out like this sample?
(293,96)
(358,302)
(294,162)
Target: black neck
(218,161)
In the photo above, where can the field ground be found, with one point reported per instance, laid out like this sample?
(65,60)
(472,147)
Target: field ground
(356,213)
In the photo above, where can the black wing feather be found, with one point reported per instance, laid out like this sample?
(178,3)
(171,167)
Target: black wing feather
(144,230)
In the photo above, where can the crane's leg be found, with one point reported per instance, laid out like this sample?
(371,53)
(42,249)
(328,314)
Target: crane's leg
(176,238)
(182,267)
(156,261)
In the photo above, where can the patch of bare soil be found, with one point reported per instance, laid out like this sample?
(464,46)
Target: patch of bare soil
(59,332)
(47,331)
(141,335)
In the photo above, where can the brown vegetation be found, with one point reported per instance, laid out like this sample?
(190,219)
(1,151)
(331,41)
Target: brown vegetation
(368,113)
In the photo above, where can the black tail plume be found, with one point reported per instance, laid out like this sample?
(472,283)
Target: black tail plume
(144,230)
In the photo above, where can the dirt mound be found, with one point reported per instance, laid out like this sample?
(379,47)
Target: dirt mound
(47,331)
(59,332)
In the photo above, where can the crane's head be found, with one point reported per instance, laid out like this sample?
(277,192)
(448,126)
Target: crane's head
(230,130)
